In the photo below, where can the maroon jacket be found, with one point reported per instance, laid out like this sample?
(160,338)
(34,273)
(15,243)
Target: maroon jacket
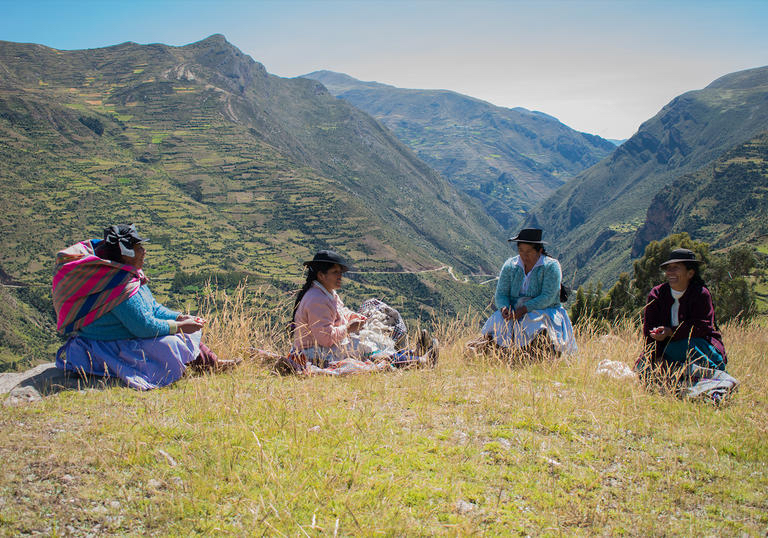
(696,317)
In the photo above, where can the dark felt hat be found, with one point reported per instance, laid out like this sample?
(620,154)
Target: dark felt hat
(528,235)
(124,235)
(329,256)
(681,255)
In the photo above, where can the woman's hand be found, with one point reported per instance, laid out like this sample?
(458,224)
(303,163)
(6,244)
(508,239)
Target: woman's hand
(189,324)
(183,317)
(355,322)
(508,314)
(661,333)
(355,325)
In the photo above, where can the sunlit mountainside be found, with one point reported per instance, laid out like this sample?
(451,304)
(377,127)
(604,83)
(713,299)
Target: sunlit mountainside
(509,159)
(596,218)
(226,168)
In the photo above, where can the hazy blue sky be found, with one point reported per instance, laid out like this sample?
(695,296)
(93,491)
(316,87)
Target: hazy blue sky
(602,67)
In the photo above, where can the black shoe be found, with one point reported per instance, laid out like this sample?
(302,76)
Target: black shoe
(433,354)
(422,343)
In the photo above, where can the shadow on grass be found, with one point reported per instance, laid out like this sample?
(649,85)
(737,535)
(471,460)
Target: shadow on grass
(44,380)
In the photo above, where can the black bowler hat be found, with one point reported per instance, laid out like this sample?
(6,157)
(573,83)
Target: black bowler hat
(123,236)
(528,235)
(681,255)
(329,256)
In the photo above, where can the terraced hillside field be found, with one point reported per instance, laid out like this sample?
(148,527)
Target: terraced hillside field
(226,168)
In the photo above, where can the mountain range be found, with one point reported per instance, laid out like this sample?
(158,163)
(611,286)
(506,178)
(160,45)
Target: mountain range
(723,203)
(226,168)
(233,172)
(510,159)
(598,220)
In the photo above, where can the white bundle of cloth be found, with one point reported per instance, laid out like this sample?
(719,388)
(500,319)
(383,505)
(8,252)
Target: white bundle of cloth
(374,338)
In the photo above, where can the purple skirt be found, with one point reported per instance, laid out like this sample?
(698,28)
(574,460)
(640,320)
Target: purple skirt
(143,363)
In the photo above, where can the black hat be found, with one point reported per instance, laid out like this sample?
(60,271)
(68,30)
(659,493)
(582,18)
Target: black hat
(124,235)
(681,255)
(528,235)
(329,256)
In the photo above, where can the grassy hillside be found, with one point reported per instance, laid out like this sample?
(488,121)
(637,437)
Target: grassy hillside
(27,327)
(507,158)
(724,203)
(597,214)
(475,446)
(226,168)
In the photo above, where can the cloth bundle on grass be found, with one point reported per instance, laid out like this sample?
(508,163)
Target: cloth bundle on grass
(86,286)
(689,381)
(708,384)
(614,369)
(386,319)
(299,365)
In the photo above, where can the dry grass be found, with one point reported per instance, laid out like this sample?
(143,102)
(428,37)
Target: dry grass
(475,446)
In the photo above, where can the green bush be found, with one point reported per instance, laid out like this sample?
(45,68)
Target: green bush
(727,276)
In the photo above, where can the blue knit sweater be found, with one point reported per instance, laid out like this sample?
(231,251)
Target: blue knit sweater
(543,284)
(140,316)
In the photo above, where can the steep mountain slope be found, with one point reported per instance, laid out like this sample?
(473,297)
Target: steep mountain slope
(595,217)
(224,166)
(724,203)
(509,159)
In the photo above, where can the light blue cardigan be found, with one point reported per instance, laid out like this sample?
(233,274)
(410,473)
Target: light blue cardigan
(543,284)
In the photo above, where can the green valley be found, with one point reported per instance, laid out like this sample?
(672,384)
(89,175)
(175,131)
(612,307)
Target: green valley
(509,159)
(226,168)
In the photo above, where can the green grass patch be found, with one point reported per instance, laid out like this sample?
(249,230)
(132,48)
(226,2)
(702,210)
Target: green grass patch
(474,447)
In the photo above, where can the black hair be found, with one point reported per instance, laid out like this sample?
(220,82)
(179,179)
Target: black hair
(105,251)
(312,271)
(696,279)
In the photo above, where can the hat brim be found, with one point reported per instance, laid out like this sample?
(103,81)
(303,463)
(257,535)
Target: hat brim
(680,261)
(516,240)
(344,268)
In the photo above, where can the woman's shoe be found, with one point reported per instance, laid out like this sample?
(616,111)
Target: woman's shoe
(422,343)
(433,354)
(480,345)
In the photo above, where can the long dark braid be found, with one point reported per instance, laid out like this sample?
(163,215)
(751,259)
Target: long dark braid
(312,270)
(696,279)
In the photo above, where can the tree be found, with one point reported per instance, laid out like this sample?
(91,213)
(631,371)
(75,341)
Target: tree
(727,280)
(589,304)
(726,275)
(648,271)
(620,300)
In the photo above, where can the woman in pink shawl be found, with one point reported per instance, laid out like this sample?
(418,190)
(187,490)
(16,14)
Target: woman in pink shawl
(322,325)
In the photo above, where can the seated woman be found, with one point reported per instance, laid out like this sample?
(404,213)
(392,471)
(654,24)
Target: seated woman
(324,330)
(679,322)
(528,300)
(115,326)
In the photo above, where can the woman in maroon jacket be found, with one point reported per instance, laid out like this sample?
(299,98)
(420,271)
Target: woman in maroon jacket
(679,319)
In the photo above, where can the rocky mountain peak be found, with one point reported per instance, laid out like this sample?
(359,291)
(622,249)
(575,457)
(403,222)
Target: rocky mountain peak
(238,70)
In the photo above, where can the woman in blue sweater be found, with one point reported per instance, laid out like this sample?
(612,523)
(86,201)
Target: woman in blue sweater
(528,299)
(115,325)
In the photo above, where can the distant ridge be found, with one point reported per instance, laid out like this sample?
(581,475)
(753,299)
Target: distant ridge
(723,203)
(507,158)
(599,213)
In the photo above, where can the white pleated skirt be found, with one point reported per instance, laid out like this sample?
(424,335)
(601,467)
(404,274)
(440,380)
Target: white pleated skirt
(520,333)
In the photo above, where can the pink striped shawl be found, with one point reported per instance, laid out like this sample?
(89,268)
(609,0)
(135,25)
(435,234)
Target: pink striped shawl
(85,287)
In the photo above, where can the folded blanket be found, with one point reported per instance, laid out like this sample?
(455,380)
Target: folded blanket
(708,384)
